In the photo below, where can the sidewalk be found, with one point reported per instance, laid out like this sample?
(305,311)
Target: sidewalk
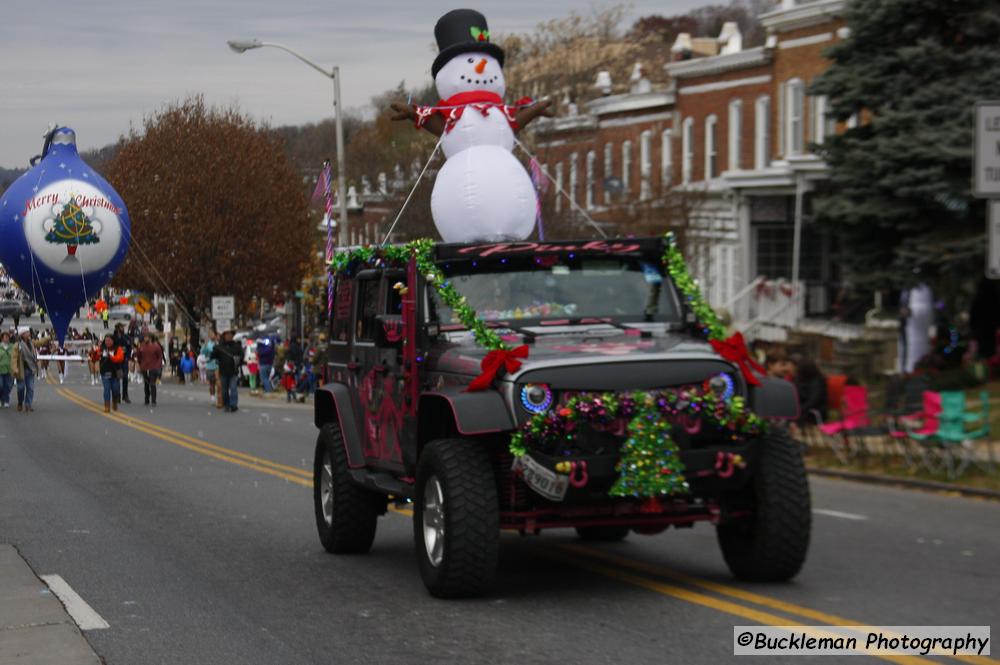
(34,627)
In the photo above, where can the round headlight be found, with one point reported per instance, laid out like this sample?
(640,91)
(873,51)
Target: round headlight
(536,397)
(722,386)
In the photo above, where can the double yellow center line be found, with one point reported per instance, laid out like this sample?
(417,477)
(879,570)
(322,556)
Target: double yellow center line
(290,473)
(713,595)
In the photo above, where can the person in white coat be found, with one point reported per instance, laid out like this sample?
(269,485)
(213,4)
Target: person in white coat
(916,312)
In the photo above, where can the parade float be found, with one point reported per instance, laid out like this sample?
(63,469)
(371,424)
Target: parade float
(497,382)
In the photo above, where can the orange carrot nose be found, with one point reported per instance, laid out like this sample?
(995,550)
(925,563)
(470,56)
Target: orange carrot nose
(480,66)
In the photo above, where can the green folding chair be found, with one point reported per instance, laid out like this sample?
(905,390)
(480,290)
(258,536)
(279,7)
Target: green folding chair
(957,440)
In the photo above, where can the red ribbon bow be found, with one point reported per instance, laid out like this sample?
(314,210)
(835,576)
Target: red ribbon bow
(734,349)
(494,360)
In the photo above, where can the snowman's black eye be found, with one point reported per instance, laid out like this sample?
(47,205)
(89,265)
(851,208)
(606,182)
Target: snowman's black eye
(463,77)
(471,60)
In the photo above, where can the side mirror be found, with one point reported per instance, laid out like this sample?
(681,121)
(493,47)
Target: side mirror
(389,331)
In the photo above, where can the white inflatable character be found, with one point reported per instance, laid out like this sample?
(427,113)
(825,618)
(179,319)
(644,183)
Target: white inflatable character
(482,193)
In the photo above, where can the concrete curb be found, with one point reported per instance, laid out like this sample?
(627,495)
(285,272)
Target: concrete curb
(931,485)
(35,628)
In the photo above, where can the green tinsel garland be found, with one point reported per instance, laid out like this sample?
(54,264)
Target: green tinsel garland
(650,462)
(422,251)
(706,317)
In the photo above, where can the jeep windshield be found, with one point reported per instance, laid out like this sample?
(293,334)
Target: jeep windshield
(560,288)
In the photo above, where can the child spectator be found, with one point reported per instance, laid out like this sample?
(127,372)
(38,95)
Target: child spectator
(288,382)
(186,366)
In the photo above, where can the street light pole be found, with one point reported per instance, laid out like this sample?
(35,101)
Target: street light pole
(341,180)
(241,46)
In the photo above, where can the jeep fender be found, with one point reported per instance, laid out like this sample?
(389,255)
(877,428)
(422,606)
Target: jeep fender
(480,412)
(775,398)
(333,405)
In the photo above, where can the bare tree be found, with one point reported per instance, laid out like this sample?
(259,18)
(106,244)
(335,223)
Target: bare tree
(216,206)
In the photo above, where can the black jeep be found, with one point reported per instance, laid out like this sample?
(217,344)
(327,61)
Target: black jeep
(398,422)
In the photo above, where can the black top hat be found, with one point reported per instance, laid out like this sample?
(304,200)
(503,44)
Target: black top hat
(462,31)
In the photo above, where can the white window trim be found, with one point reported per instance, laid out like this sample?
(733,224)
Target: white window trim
(591,165)
(711,146)
(559,186)
(666,157)
(735,134)
(687,150)
(794,117)
(609,168)
(762,127)
(573,177)
(646,165)
(626,168)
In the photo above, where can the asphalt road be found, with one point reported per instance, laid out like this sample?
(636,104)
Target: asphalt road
(191,532)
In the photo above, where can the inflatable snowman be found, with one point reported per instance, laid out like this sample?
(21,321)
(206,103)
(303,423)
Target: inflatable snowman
(482,193)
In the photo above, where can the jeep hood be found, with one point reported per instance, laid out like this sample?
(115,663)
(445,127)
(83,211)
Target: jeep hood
(460,355)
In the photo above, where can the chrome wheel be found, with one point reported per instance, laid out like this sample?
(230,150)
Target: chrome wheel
(433,521)
(326,489)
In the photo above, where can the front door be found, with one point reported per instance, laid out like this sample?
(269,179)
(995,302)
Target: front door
(380,395)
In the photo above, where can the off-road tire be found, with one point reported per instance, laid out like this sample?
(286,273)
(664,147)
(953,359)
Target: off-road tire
(602,534)
(355,509)
(770,544)
(471,518)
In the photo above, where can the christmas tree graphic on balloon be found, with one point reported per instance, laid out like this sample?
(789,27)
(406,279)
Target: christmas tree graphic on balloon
(72,227)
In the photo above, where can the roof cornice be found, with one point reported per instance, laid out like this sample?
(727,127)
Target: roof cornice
(629,102)
(802,15)
(565,124)
(715,64)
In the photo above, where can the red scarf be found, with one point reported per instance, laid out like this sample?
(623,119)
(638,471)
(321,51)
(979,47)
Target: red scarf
(451,109)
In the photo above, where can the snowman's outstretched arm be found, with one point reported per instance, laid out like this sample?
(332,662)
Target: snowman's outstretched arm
(529,113)
(434,123)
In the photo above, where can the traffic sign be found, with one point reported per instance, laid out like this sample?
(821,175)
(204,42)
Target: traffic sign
(222,325)
(986,175)
(142,305)
(993,240)
(223,307)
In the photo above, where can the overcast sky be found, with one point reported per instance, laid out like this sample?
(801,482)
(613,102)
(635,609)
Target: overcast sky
(99,65)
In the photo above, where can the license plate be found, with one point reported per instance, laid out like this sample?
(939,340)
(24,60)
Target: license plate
(548,483)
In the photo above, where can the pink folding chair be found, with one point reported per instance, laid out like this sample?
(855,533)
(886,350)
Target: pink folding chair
(854,420)
(916,431)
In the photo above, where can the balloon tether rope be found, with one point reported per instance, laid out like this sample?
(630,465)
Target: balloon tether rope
(562,191)
(412,190)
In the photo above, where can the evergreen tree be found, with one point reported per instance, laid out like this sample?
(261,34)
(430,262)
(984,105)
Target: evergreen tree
(899,196)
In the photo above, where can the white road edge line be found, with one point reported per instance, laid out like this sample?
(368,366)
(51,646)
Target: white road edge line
(837,513)
(83,614)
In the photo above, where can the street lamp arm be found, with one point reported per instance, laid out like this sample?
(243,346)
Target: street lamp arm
(325,72)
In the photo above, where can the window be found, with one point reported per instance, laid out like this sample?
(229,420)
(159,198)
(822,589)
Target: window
(762,120)
(559,186)
(609,170)
(711,148)
(794,96)
(687,150)
(393,299)
(340,326)
(666,157)
(368,309)
(591,165)
(735,129)
(645,165)
(626,168)
(572,177)
(823,124)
